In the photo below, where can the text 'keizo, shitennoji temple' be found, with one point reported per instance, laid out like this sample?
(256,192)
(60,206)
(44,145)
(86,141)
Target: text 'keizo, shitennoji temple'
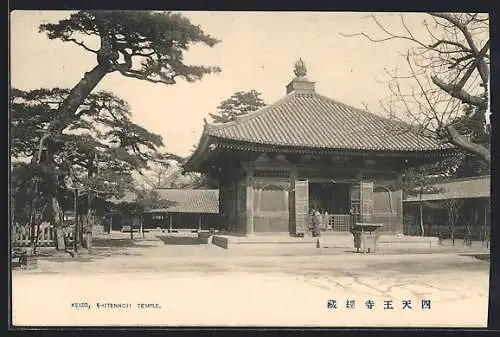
(307,151)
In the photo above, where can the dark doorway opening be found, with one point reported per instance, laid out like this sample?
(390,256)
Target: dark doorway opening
(332,198)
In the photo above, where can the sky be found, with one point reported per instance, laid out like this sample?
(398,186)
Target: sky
(257,51)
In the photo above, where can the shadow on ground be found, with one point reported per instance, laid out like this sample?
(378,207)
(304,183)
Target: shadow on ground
(479,256)
(182,240)
(425,267)
(101,248)
(115,243)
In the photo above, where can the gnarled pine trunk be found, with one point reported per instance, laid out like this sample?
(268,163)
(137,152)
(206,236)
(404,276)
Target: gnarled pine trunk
(77,96)
(57,222)
(67,114)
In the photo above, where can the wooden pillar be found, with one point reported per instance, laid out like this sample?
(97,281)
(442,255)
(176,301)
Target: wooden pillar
(199,222)
(170,224)
(236,204)
(249,200)
(291,202)
(222,206)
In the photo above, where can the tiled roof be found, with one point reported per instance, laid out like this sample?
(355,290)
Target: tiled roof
(189,201)
(314,121)
(476,187)
(181,200)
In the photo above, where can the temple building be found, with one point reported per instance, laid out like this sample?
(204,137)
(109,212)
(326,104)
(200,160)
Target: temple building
(307,151)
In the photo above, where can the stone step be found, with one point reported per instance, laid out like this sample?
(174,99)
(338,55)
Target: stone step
(325,241)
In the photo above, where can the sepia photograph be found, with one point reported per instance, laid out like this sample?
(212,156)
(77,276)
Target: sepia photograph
(249,169)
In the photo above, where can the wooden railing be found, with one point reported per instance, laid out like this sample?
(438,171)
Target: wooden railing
(332,222)
(21,236)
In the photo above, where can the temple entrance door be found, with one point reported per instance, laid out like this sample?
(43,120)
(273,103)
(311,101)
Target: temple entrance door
(366,209)
(332,198)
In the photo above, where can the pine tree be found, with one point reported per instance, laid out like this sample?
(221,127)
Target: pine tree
(97,152)
(145,45)
(239,104)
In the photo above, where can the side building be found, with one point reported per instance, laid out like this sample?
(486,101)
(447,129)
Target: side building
(185,209)
(469,200)
(180,209)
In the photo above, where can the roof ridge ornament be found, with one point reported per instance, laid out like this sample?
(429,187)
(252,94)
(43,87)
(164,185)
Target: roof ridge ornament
(300,69)
(300,84)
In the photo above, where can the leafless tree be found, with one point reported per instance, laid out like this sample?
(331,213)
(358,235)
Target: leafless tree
(448,66)
(452,207)
(161,174)
(155,177)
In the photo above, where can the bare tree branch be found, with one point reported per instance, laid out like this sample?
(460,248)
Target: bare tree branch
(464,143)
(458,93)
(481,65)
(457,90)
(441,41)
(441,76)
(458,24)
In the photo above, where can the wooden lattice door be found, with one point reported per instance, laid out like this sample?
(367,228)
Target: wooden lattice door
(301,196)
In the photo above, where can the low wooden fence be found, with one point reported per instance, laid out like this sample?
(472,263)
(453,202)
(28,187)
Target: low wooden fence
(21,236)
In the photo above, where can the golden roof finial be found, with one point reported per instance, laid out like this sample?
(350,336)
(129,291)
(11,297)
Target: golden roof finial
(300,68)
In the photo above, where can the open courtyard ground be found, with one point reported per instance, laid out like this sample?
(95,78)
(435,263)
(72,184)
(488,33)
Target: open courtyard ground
(148,282)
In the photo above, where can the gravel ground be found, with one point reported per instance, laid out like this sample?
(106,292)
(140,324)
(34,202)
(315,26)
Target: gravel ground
(206,285)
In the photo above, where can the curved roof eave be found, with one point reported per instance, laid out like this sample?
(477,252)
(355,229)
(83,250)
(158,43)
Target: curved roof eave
(194,160)
(258,146)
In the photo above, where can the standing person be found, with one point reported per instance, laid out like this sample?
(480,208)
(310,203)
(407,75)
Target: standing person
(352,220)
(468,236)
(321,220)
(317,216)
